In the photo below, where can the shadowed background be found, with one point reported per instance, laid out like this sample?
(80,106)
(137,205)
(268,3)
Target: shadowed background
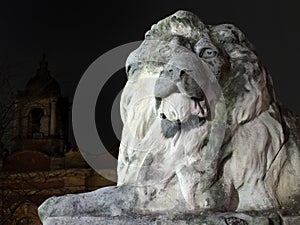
(74,34)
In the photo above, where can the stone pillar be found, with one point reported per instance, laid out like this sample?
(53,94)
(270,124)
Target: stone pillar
(24,129)
(17,132)
(16,124)
(53,117)
(47,125)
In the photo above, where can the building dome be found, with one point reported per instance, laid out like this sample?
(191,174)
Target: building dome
(43,84)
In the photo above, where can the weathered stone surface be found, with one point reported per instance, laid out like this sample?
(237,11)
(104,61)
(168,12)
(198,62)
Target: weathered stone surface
(291,220)
(188,219)
(203,131)
(93,203)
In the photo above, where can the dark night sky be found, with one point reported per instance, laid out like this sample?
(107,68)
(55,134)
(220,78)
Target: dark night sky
(74,34)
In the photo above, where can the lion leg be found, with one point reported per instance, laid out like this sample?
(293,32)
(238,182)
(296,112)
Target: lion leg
(193,186)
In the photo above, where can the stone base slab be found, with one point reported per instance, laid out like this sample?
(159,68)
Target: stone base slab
(204,219)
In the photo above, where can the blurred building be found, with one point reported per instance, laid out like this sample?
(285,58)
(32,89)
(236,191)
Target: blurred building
(40,163)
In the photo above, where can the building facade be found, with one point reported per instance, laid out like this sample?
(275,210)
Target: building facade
(40,163)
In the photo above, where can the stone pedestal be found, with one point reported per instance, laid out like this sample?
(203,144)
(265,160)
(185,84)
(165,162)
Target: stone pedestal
(207,218)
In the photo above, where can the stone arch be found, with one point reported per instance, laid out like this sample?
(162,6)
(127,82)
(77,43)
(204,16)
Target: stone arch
(34,160)
(36,123)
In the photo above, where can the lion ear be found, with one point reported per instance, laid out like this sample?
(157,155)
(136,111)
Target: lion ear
(227,33)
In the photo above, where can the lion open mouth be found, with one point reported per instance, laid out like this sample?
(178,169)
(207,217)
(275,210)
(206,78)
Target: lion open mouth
(178,112)
(180,101)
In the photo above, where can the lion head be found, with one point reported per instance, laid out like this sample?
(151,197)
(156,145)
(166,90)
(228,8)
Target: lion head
(202,126)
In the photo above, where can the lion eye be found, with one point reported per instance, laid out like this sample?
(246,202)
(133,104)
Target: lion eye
(207,53)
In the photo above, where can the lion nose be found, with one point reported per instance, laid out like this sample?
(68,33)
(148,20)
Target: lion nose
(175,80)
(189,87)
(166,83)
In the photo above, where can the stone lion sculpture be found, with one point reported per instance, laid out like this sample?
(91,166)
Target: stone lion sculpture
(168,144)
(203,129)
